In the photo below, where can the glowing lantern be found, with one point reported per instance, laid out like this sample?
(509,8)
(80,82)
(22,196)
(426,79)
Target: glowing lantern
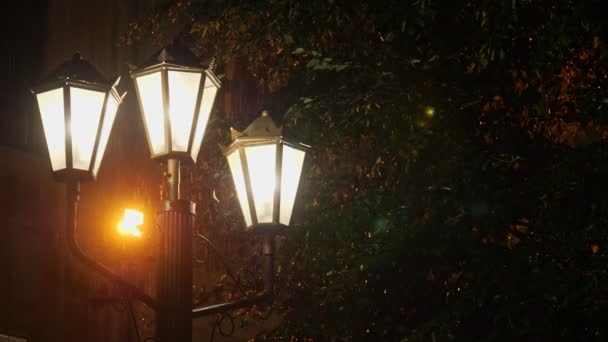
(77,107)
(266,171)
(131,221)
(175,95)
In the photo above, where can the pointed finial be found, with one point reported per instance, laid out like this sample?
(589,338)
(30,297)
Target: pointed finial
(263,126)
(211,64)
(234,134)
(164,56)
(116,81)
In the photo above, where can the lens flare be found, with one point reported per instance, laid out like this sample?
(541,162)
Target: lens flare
(131,221)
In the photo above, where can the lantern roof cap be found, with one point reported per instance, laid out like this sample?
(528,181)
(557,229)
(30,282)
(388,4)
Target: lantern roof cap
(76,69)
(174,53)
(262,127)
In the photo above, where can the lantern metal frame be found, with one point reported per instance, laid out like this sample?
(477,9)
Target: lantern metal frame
(264,133)
(73,79)
(165,63)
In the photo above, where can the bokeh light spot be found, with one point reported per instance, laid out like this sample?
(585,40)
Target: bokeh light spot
(132,219)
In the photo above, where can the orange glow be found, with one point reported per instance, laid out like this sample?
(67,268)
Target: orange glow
(130,223)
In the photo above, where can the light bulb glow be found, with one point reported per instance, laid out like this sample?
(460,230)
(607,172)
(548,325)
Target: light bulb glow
(108,121)
(132,219)
(262,174)
(151,95)
(234,160)
(51,112)
(203,116)
(86,112)
(183,91)
(293,159)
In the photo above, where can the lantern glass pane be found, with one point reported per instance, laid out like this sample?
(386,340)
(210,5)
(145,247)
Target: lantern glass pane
(106,128)
(291,169)
(203,116)
(86,112)
(51,113)
(183,92)
(234,160)
(151,97)
(262,169)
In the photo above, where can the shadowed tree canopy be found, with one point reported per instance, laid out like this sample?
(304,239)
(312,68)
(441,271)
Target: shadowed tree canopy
(454,190)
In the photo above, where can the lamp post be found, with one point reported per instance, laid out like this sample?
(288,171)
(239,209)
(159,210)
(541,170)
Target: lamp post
(176,95)
(256,162)
(266,172)
(77,106)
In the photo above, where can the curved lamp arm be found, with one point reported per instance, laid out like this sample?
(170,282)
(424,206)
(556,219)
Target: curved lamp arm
(73,190)
(266,296)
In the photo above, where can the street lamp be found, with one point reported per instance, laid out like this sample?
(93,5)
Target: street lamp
(77,107)
(266,173)
(176,95)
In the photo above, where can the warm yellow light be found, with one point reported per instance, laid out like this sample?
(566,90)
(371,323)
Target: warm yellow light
(429,111)
(234,160)
(151,95)
(183,91)
(203,116)
(51,112)
(262,174)
(86,112)
(293,159)
(108,120)
(130,222)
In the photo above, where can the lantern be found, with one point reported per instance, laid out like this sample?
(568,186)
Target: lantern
(77,106)
(266,172)
(175,95)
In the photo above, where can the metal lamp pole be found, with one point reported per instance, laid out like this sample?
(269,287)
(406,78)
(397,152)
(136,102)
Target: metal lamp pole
(176,224)
(175,94)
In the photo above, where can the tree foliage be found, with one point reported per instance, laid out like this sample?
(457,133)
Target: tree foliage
(454,189)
